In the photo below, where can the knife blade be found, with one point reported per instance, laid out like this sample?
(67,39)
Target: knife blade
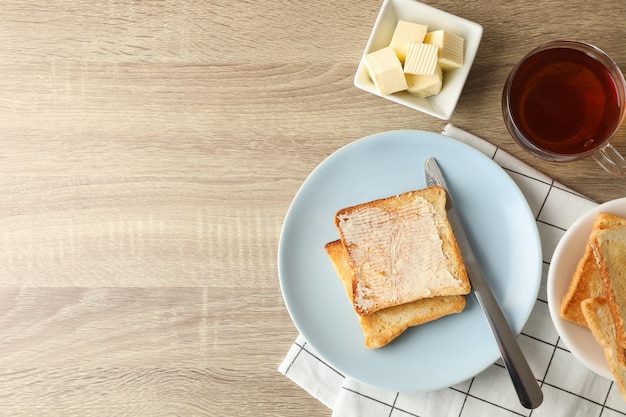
(525,383)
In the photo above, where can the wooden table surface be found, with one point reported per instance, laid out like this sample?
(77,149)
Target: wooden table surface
(149,153)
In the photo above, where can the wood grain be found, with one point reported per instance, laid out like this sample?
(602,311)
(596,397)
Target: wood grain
(150,151)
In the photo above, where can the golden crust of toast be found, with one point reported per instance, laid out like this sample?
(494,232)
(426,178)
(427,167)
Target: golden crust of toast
(596,297)
(609,248)
(383,326)
(586,281)
(600,321)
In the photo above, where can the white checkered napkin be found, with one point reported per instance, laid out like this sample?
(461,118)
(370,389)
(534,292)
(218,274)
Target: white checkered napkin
(569,388)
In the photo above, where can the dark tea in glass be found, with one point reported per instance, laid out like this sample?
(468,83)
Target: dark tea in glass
(565,101)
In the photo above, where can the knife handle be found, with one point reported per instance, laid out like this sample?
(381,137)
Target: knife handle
(524,380)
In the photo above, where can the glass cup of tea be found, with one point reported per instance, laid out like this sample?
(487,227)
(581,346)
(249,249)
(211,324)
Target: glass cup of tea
(565,101)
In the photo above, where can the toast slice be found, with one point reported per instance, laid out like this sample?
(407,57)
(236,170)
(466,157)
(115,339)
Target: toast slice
(401,249)
(383,326)
(609,247)
(586,281)
(600,321)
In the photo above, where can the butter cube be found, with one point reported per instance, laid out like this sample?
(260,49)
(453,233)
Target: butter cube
(404,33)
(385,70)
(450,48)
(425,85)
(421,58)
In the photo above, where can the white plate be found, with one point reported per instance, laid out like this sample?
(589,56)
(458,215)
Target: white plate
(568,252)
(497,220)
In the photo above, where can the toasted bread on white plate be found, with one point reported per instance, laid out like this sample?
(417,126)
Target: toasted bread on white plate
(597,313)
(586,281)
(609,248)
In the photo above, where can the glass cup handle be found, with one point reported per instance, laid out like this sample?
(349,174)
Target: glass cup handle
(610,159)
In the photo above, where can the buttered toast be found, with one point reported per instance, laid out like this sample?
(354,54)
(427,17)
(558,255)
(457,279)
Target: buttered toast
(401,249)
(381,327)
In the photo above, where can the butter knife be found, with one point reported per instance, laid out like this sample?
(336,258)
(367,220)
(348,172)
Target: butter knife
(526,385)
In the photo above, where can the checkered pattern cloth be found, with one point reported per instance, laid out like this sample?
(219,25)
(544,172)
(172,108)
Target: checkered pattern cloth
(569,388)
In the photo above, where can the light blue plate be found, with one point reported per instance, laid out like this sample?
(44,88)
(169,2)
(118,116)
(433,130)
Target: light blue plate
(498,222)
